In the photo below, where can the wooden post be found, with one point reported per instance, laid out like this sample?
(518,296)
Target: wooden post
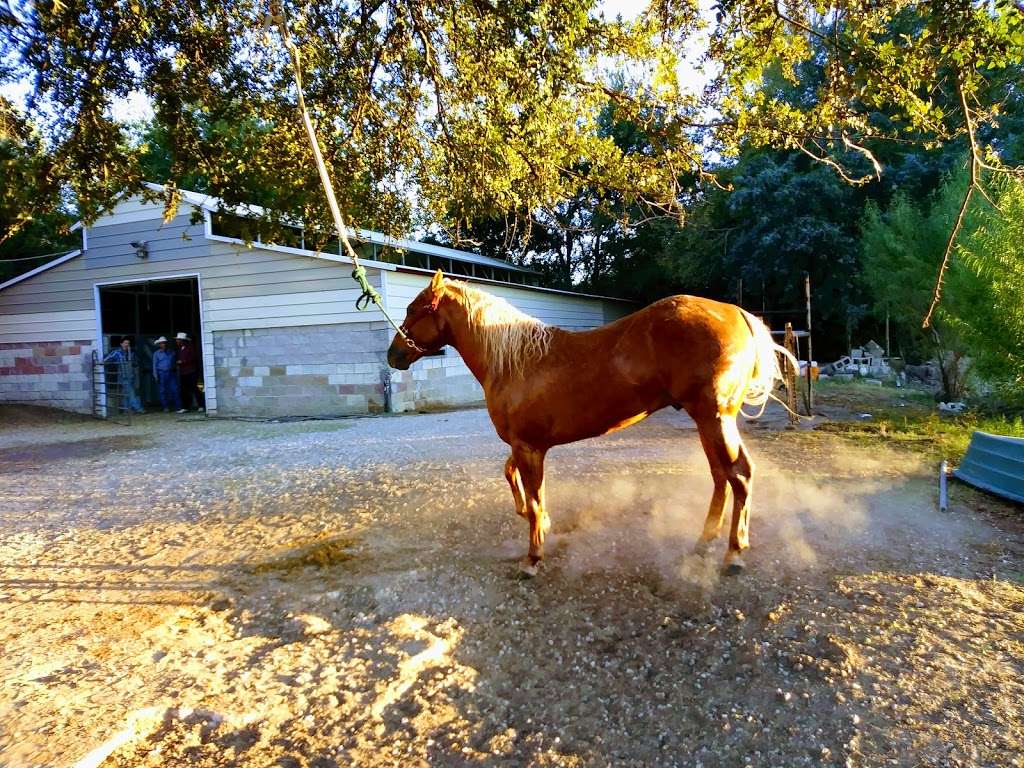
(888,352)
(810,352)
(791,373)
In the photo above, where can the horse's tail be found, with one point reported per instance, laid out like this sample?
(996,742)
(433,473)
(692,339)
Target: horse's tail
(766,364)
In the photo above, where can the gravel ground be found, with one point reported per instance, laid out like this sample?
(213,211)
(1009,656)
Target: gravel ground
(334,593)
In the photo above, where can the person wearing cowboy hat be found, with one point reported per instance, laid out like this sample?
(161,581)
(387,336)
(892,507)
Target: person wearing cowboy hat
(166,375)
(188,369)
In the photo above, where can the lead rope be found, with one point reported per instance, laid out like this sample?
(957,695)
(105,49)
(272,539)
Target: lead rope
(369,293)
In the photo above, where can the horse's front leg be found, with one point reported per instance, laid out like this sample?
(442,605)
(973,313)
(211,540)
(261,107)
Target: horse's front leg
(530,463)
(515,482)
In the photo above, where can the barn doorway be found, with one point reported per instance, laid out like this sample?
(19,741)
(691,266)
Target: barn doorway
(144,311)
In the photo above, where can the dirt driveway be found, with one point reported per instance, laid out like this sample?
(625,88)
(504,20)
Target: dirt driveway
(335,593)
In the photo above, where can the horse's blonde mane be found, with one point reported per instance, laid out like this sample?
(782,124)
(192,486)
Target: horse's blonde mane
(509,339)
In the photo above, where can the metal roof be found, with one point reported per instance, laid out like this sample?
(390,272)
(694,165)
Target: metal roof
(215,205)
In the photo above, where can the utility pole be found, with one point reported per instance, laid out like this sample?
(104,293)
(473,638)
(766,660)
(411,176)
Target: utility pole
(810,353)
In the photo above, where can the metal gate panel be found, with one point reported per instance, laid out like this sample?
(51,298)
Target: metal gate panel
(109,400)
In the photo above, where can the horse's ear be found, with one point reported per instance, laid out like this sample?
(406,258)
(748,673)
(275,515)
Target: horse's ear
(437,283)
(437,289)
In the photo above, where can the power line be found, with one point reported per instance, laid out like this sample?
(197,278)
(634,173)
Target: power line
(33,258)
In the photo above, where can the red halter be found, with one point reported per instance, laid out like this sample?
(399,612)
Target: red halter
(427,309)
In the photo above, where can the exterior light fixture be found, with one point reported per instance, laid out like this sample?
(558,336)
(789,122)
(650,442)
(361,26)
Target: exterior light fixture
(141,248)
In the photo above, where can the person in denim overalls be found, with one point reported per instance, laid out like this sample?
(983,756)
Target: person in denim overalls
(127,374)
(165,373)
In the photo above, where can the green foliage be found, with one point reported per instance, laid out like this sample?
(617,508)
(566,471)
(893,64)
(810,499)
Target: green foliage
(992,317)
(900,59)
(32,218)
(476,109)
(472,109)
(902,249)
(792,216)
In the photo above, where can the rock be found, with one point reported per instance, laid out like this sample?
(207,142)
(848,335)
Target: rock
(314,625)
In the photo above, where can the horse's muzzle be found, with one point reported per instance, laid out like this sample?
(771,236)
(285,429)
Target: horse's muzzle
(398,358)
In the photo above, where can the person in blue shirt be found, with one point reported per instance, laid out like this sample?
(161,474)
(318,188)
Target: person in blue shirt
(165,371)
(127,374)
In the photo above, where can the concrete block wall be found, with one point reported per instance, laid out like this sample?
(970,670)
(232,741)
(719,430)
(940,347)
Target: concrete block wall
(57,374)
(317,370)
(435,382)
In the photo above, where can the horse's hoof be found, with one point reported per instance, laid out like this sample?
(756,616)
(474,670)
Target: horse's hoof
(528,568)
(702,547)
(733,565)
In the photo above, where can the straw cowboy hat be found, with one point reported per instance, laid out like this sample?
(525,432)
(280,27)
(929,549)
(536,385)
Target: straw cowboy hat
(182,336)
(161,340)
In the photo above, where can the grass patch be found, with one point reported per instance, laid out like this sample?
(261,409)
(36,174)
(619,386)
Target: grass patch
(908,419)
(941,437)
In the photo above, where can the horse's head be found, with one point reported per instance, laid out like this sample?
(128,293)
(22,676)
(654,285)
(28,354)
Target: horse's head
(425,330)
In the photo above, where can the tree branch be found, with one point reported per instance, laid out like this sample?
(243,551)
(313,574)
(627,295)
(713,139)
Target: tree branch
(972,184)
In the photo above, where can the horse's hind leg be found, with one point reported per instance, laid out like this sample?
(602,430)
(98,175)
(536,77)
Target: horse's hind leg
(741,480)
(711,443)
(722,444)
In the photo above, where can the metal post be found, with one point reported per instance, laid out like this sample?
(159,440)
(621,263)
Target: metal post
(943,499)
(810,353)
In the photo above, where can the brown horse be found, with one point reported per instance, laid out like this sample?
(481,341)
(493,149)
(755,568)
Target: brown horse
(546,386)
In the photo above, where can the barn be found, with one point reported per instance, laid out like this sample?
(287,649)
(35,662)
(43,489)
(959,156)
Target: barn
(276,325)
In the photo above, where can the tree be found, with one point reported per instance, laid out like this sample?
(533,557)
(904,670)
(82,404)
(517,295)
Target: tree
(991,320)
(482,108)
(33,221)
(902,248)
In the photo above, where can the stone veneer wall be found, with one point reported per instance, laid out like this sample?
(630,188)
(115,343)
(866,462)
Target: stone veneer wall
(51,373)
(435,382)
(328,370)
(316,370)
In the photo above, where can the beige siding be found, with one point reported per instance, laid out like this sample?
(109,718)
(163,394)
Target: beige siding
(130,211)
(565,311)
(47,326)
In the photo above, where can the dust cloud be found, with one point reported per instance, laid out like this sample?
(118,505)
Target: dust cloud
(653,521)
